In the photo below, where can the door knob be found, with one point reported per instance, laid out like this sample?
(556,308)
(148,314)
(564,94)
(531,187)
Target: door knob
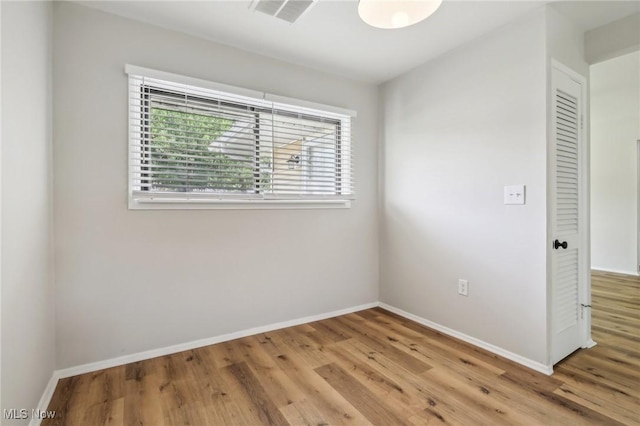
(557,244)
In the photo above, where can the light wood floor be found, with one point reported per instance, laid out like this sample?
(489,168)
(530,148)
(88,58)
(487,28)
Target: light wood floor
(371,367)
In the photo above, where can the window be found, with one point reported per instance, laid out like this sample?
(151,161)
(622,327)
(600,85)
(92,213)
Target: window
(197,144)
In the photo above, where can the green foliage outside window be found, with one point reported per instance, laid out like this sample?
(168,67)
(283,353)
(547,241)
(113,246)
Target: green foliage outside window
(184,159)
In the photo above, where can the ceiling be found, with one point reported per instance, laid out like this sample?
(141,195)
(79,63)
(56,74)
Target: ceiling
(332,38)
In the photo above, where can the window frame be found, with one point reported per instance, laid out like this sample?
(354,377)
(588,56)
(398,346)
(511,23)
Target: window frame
(137,200)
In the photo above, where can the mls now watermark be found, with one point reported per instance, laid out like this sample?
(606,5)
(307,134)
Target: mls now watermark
(23,413)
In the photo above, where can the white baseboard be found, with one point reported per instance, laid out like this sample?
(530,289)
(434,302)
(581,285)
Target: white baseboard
(590,343)
(615,271)
(45,399)
(141,356)
(534,365)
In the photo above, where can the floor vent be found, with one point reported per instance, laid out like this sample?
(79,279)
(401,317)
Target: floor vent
(287,10)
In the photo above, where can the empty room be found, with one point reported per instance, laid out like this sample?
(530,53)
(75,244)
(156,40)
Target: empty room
(320,212)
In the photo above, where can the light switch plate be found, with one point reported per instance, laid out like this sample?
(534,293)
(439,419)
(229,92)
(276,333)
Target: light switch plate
(514,194)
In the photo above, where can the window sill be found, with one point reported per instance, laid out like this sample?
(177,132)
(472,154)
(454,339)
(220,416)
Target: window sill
(211,204)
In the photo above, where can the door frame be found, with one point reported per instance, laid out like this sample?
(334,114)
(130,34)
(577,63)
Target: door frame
(584,273)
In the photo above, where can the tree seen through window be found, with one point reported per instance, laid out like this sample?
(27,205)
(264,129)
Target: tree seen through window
(183,157)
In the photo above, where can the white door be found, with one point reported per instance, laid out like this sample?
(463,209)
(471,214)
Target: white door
(568,263)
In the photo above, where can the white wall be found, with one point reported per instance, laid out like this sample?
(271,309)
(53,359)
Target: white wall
(458,129)
(614,39)
(615,129)
(565,41)
(28,349)
(129,281)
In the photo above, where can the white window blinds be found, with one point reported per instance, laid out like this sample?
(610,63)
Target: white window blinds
(192,140)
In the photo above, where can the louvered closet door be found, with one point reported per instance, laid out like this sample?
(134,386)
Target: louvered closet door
(567,217)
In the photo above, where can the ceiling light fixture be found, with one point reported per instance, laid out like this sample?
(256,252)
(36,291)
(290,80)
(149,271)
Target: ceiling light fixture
(390,14)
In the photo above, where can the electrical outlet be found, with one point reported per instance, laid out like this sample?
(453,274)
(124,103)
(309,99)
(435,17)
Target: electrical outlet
(463,287)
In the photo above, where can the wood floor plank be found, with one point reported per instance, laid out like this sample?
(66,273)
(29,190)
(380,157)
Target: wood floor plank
(62,401)
(381,343)
(277,384)
(330,331)
(213,399)
(384,388)
(106,385)
(480,399)
(142,404)
(599,402)
(267,410)
(306,344)
(371,367)
(107,413)
(431,401)
(431,351)
(589,384)
(358,395)
(583,414)
(303,412)
(247,412)
(335,408)
(458,346)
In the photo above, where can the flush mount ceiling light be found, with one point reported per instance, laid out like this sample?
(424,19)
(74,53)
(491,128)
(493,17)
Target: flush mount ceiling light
(390,14)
